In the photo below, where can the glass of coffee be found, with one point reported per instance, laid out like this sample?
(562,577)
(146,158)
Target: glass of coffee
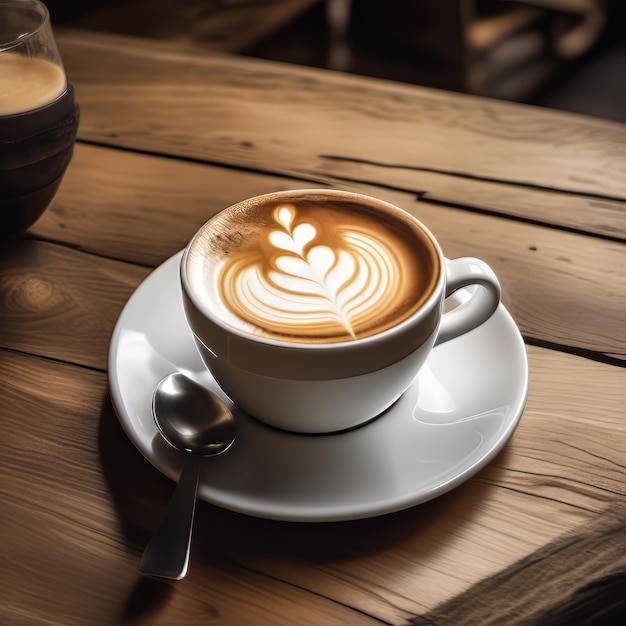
(315,309)
(38,115)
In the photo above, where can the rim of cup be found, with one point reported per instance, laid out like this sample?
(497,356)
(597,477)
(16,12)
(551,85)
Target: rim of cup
(343,346)
(25,5)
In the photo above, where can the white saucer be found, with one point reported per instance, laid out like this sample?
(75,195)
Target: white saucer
(455,418)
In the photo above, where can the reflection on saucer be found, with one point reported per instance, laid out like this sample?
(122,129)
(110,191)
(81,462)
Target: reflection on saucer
(432,396)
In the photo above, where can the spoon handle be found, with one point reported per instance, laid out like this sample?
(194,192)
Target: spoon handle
(167,553)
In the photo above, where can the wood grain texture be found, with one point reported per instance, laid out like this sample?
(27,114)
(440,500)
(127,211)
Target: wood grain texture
(77,493)
(571,211)
(285,120)
(140,208)
(576,579)
(59,303)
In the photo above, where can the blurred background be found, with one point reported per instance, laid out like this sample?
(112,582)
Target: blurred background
(563,54)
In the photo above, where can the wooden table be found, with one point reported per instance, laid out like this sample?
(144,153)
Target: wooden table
(168,137)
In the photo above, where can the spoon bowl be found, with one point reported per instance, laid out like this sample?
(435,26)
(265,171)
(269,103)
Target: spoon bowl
(194,420)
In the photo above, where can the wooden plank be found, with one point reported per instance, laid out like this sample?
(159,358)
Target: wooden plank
(161,202)
(76,486)
(280,118)
(75,519)
(143,209)
(588,214)
(60,303)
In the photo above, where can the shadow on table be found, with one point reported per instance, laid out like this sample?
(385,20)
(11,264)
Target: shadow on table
(141,493)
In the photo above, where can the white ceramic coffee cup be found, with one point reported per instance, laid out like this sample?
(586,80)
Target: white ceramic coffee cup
(326,388)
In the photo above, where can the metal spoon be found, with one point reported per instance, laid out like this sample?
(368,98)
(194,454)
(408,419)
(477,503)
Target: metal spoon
(193,419)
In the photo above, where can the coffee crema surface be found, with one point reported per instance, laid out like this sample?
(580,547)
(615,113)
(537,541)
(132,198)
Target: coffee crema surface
(28,83)
(312,268)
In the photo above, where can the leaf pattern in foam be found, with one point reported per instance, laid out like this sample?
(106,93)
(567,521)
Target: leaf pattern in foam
(312,285)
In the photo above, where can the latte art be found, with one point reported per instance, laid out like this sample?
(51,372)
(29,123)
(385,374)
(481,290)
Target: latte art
(307,289)
(312,268)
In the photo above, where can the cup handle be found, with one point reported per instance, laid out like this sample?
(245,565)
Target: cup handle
(481,305)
